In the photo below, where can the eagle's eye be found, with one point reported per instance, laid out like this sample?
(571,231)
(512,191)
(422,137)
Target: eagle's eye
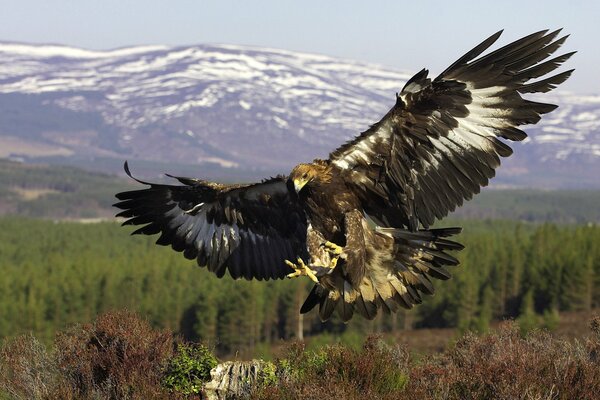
(305,175)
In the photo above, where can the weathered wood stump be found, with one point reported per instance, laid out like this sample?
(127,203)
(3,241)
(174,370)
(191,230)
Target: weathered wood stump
(234,379)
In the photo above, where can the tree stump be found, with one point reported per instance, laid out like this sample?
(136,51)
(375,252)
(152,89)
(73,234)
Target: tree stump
(234,379)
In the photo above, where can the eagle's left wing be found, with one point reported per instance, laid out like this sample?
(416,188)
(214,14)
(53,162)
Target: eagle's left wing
(249,230)
(440,143)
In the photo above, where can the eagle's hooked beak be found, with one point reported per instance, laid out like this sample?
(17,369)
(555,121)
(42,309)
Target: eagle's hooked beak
(299,183)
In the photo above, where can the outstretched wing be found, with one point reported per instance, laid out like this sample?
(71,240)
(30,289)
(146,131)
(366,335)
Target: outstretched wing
(440,144)
(247,229)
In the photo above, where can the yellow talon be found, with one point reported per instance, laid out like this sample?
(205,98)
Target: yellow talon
(333,262)
(301,269)
(333,248)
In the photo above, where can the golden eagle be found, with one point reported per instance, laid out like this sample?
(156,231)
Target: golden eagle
(436,147)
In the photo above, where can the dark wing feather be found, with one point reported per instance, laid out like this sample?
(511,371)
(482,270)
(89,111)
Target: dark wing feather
(248,230)
(440,143)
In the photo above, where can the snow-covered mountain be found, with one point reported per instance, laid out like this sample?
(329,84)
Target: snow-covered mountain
(239,108)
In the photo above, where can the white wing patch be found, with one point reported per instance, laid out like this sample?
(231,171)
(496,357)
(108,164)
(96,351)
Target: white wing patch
(363,151)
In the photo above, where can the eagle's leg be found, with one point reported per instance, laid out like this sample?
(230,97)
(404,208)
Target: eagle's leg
(301,269)
(354,251)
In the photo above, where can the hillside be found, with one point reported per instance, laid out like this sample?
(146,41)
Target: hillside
(56,191)
(231,110)
(61,192)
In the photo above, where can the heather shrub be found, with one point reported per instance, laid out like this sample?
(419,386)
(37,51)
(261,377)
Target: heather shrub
(506,365)
(119,356)
(189,368)
(592,345)
(27,371)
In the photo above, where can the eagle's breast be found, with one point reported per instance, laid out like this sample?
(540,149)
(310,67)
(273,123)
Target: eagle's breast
(326,205)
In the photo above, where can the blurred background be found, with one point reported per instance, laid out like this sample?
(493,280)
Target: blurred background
(238,91)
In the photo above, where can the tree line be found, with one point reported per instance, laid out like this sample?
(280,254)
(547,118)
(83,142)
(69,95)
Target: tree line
(56,273)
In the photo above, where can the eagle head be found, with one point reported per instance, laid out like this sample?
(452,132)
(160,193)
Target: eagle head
(305,174)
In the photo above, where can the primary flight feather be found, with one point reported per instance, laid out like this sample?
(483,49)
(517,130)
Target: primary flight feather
(437,146)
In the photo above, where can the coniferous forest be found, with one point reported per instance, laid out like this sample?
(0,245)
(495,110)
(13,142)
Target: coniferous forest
(55,274)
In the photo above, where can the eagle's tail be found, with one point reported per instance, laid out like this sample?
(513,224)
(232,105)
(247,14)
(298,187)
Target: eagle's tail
(395,277)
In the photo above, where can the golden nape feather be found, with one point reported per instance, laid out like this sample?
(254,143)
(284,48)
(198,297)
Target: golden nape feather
(437,146)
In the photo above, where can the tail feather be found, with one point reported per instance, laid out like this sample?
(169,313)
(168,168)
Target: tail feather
(328,305)
(365,308)
(425,285)
(346,305)
(314,298)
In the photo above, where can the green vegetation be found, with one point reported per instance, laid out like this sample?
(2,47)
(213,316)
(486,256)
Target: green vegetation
(59,273)
(189,368)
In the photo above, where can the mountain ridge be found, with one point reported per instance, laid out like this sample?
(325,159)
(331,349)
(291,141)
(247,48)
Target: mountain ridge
(239,107)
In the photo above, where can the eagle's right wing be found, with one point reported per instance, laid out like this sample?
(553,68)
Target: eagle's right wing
(440,143)
(249,230)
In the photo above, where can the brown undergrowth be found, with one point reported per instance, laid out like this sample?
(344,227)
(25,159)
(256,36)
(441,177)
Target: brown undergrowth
(120,356)
(505,365)
(500,365)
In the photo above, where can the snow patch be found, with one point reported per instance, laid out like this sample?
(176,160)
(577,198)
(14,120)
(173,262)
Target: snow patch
(585,116)
(280,122)
(46,51)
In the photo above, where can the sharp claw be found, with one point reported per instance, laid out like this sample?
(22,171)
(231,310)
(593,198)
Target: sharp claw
(300,269)
(333,262)
(294,274)
(334,248)
(311,275)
